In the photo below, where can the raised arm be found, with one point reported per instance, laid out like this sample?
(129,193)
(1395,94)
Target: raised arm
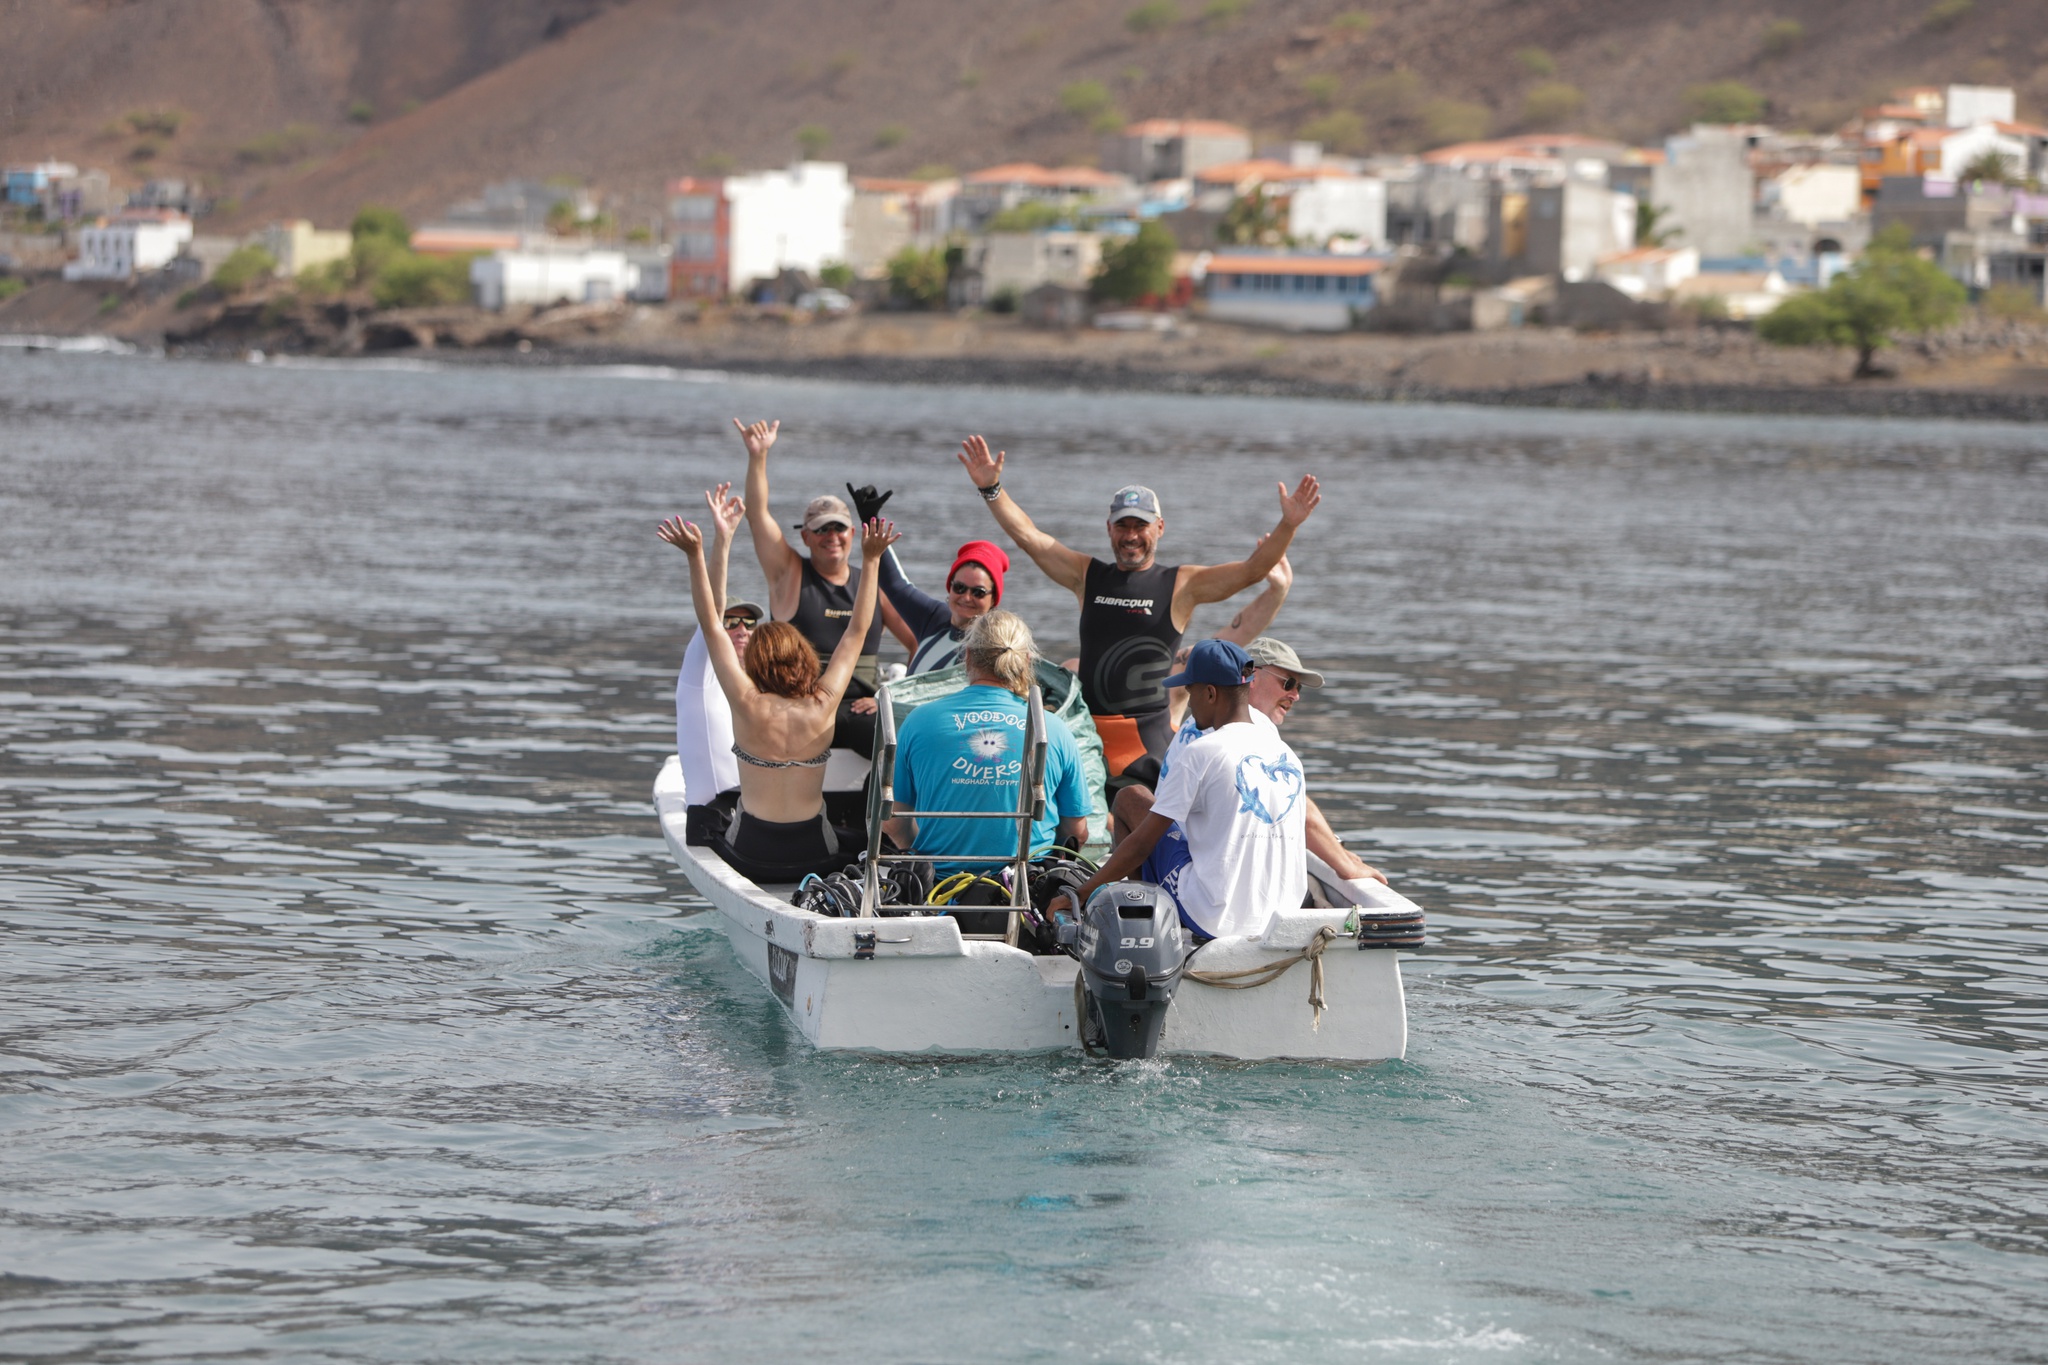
(1251,622)
(1068,568)
(726,512)
(725,660)
(780,563)
(875,537)
(1214,582)
(920,611)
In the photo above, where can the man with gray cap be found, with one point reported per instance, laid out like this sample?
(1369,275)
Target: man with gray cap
(1277,677)
(1134,609)
(815,593)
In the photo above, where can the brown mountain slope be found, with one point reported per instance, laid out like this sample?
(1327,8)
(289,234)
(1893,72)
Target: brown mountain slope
(646,89)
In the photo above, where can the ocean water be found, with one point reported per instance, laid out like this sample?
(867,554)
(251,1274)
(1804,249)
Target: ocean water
(350,1010)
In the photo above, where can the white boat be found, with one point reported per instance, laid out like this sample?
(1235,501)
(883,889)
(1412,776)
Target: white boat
(916,984)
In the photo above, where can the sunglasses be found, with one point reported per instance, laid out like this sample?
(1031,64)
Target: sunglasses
(1288,682)
(964,590)
(742,622)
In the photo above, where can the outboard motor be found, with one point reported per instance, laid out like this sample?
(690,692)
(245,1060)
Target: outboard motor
(1131,952)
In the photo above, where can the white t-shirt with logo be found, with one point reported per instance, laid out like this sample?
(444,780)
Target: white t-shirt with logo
(1239,795)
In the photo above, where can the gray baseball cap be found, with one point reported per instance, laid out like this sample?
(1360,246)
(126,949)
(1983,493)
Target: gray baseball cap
(755,609)
(1271,653)
(1134,500)
(826,510)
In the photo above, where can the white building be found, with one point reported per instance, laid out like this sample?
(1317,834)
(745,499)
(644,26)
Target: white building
(782,220)
(137,241)
(1296,293)
(1814,194)
(1649,272)
(1022,261)
(1968,104)
(1965,145)
(1744,294)
(1339,206)
(537,276)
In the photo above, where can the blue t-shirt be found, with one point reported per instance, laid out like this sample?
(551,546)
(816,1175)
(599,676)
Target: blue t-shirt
(966,752)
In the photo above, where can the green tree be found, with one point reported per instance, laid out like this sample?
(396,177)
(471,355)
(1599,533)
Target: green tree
(1891,290)
(1723,102)
(918,278)
(1152,16)
(836,275)
(1033,215)
(412,281)
(1648,230)
(374,220)
(1085,99)
(1536,62)
(1251,220)
(1551,104)
(1341,130)
(1136,267)
(1992,167)
(812,139)
(1944,15)
(890,135)
(1447,121)
(1783,38)
(244,266)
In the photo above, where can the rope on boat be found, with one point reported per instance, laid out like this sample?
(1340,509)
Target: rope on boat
(1245,978)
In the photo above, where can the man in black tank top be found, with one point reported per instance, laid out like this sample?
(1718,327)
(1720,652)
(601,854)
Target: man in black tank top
(815,593)
(1133,609)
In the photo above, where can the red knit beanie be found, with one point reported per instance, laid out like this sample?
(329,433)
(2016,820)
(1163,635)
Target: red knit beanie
(985,556)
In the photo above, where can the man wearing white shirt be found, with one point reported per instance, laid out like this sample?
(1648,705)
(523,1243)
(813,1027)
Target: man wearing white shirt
(1238,794)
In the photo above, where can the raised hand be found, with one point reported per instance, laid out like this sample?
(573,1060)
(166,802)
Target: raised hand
(1295,506)
(684,535)
(758,437)
(1281,575)
(877,536)
(867,503)
(985,469)
(727,509)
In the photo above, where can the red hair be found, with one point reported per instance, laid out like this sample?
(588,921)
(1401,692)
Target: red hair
(781,661)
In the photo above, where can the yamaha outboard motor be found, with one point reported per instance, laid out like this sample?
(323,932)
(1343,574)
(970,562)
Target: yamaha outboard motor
(1130,950)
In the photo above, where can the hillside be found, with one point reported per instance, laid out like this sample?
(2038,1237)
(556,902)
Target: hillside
(447,94)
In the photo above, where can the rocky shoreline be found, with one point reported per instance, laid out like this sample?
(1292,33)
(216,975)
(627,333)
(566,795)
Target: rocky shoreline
(1984,370)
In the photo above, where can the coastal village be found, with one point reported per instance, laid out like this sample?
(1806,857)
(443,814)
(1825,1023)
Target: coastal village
(1177,222)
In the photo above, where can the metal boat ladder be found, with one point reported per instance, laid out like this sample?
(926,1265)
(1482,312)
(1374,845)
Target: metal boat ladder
(1030,809)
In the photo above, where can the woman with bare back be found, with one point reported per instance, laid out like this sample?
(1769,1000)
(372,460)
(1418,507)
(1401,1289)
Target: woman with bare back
(783,708)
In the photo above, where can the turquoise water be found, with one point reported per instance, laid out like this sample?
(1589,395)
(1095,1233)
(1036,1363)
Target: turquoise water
(350,1011)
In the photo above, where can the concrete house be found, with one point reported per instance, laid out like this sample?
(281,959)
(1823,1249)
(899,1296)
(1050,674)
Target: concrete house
(986,193)
(540,275)
(1294,292)
(889,215)
(1173,149)
(135,242)
(1020,262)
(1708,188)
(1573,224)
(1649,272)
(297,245)
(730,231)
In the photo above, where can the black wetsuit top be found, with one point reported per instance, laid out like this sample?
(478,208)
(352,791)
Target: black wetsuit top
(822,610)
(1128,641)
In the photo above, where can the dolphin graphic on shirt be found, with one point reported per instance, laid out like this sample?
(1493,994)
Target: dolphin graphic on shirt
(1268,790)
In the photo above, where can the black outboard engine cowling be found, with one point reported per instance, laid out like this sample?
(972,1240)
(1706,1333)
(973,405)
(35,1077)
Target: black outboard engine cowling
(1131,951)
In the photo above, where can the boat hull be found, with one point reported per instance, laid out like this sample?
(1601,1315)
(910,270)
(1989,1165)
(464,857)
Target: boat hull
(914,985)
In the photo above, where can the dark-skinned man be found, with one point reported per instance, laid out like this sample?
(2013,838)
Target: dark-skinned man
(1237,792)
(1133,608)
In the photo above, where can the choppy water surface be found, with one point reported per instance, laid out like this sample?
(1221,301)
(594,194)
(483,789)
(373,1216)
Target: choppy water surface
(351,1011)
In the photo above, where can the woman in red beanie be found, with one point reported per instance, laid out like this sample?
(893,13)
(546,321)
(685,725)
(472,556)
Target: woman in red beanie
(973,585)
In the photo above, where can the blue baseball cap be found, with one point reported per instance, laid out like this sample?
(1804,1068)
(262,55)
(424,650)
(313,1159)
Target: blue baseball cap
(1217,662)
